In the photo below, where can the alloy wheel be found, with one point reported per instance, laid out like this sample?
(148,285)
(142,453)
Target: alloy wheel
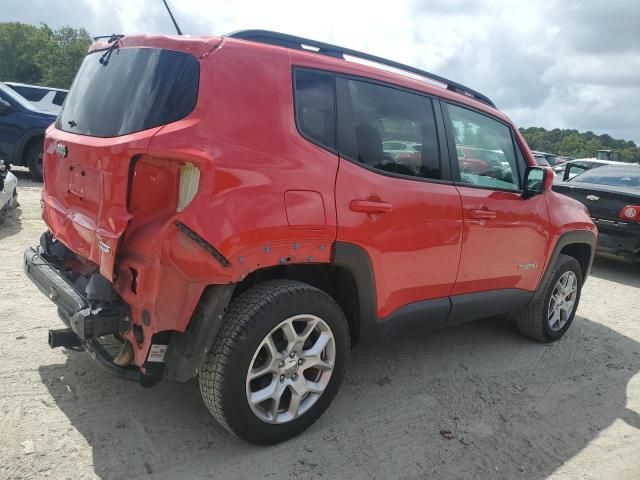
(290,369)
(562,301)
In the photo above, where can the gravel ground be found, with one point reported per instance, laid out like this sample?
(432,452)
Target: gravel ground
(473,401)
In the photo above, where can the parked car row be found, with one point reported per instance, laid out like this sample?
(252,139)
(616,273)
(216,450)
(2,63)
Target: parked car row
(549,159)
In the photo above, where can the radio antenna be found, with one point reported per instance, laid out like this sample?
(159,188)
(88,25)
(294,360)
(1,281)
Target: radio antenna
(172,18)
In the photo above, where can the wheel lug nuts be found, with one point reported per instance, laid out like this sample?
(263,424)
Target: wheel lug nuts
(281,378)
(294,377)
(300,362)
(292,354)
(282,363)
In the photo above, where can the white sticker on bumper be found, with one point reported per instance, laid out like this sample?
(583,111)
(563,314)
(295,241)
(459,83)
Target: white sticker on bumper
(156,353)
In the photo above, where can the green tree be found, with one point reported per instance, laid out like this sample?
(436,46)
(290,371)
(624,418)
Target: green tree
(572,143)
(40,55)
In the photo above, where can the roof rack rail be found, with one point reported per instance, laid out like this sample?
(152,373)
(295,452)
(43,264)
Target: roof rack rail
(299,43)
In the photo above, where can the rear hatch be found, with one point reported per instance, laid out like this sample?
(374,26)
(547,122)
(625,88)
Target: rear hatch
(119,100)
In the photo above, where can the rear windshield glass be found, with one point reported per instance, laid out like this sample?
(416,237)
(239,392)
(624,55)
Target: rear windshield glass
(613,176)
(136,89)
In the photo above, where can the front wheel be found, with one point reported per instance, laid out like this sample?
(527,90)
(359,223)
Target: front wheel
(549,317)
(277,363)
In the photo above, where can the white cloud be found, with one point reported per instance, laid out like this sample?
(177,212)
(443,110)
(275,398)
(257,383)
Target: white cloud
(566,64)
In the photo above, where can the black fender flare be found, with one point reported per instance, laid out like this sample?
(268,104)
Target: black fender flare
(355,259)
(576,237)
(187,350)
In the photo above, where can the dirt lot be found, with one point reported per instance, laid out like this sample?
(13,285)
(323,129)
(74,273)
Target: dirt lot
(515,409)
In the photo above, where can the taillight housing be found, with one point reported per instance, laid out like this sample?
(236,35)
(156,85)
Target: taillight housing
(188,185)
(630,213)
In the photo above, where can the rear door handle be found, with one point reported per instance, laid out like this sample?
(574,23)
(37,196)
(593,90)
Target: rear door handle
(370,206)
(482,214)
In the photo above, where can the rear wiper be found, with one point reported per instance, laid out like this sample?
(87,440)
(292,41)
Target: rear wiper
(113,40)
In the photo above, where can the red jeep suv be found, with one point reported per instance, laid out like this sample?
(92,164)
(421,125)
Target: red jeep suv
(223,207)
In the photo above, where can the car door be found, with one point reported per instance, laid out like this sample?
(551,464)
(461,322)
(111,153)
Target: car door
(404,212)
(505,236)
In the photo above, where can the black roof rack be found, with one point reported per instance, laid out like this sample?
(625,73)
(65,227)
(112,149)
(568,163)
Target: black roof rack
(299,43)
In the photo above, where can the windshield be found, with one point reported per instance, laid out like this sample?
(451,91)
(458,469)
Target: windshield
(613,176)
(16,97)
(137,89)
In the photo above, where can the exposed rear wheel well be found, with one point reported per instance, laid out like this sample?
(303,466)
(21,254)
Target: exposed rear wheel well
(582,253)
(336,281)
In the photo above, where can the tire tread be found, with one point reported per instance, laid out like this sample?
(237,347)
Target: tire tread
(529,320)
(240,317)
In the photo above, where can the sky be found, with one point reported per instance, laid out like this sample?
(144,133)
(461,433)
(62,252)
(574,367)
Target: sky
(555,64)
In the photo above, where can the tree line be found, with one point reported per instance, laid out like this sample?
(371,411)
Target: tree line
(40,55)
(572,143)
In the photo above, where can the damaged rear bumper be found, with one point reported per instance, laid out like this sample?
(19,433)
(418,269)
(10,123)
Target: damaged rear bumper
(86,320)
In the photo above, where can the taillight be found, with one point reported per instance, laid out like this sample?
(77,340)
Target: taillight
(188,187)
(630,212)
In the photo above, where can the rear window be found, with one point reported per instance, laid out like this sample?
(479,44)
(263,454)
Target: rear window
(612,176)
(137,89)
(59,97)
(315,106)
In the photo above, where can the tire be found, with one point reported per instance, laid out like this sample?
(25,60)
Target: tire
(254,318)
(34,161)
(534,321)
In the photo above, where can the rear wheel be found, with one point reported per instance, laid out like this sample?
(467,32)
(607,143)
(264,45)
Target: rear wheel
(549,317)
(34,161)
(277,363)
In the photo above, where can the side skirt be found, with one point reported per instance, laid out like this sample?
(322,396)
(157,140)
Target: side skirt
(441,312)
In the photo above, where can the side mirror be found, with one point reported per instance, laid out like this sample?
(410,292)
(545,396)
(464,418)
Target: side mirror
(5,107)
(537,180)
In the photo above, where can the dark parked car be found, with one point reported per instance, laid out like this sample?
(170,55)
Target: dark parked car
(612,196)
(22,129)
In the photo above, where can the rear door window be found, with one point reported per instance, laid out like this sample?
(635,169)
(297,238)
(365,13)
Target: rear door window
(315,106)
(388,116)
